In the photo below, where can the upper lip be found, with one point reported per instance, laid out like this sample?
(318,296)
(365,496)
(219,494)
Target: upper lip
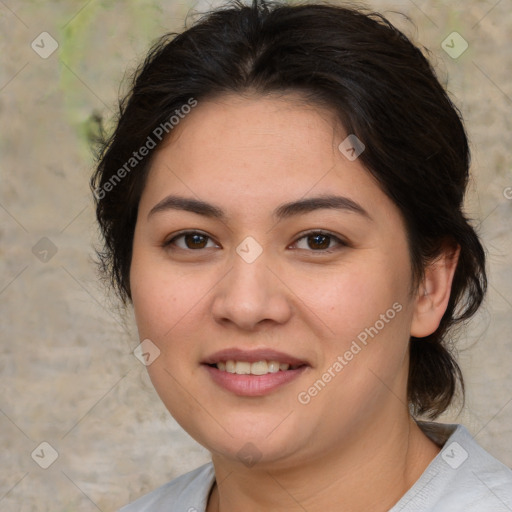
(253,356)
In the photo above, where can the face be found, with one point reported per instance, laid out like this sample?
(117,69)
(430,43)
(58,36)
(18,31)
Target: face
(313,299)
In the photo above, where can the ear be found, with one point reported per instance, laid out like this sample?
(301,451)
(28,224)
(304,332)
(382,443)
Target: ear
(434,293)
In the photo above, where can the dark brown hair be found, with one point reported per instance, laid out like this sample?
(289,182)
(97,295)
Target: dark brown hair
(382,89)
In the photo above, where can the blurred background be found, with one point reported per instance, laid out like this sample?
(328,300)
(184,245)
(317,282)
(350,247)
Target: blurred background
(68,376)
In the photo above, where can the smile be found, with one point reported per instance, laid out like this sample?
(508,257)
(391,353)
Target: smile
(253,373)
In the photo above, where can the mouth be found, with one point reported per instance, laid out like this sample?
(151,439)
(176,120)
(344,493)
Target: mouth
(253,373)
(253,362)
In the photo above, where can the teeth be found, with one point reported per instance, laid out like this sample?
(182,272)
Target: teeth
(273,366)
(257,368)
(242,368)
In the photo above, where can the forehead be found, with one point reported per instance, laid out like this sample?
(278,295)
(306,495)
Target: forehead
(231,126)
(258,152)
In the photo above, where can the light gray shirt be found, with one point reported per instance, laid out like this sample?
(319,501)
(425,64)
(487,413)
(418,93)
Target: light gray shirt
(462,478)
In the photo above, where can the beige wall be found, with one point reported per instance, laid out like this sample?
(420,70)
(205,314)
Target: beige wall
(67,373)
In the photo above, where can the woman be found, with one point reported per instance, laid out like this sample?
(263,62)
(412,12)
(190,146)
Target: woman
(281,202)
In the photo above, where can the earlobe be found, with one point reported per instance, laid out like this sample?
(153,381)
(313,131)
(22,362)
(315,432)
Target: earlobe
(434,293)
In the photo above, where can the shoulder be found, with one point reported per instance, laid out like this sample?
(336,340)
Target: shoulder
(462,478)
(485,481)
(187,493)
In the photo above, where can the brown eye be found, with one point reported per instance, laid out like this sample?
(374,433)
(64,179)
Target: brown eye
(318,241)
(193,240)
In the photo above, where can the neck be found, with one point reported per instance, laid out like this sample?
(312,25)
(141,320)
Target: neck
(371,471)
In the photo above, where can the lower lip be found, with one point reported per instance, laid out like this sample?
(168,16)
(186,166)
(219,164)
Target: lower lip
(253,385)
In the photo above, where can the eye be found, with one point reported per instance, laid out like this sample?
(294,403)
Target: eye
(319,241)
(193,240)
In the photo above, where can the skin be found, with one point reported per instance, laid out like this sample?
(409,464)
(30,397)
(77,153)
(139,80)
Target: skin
(354,443)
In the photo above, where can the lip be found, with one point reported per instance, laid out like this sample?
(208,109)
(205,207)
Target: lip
(253,385)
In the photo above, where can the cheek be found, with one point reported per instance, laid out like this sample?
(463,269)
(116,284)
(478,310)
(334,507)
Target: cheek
(365,320)
(352,297)
(163,302)
(161,296)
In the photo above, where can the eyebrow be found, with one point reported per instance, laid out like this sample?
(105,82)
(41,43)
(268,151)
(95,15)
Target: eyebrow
(284,211)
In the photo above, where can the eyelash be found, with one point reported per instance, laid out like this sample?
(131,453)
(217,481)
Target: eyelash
(167,244)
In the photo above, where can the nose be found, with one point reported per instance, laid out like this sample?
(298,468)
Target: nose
(251,295)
